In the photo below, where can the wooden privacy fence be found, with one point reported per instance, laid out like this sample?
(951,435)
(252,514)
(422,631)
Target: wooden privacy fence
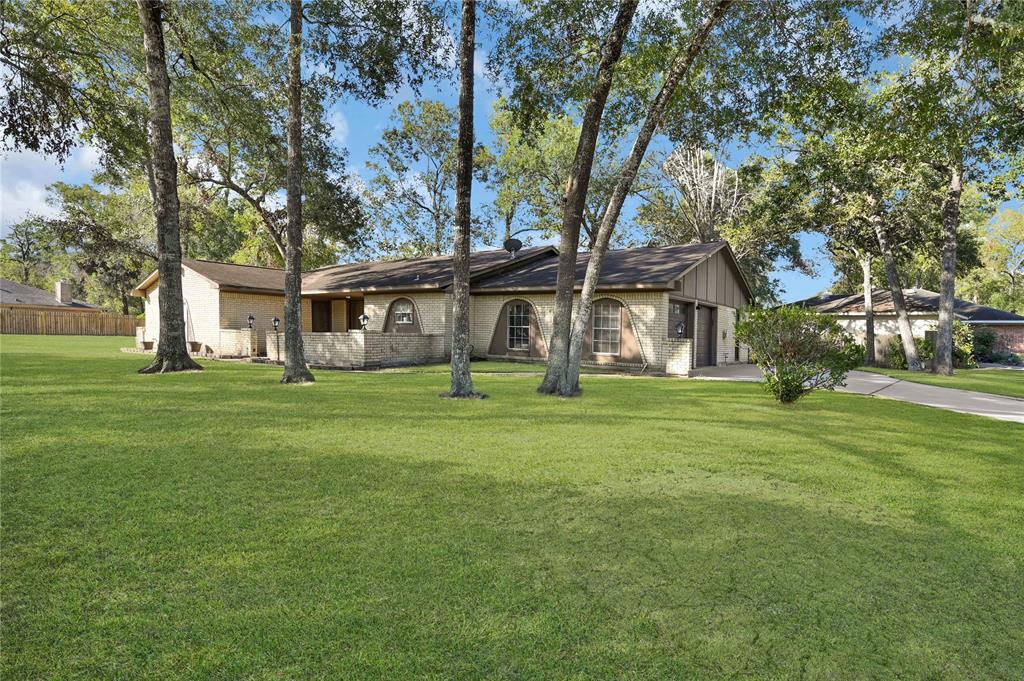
(66,322)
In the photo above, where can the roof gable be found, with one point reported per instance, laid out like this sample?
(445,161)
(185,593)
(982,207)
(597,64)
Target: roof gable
(630,268)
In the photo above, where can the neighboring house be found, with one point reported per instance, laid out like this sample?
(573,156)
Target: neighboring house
(663,310)
(923,310)
(20,296)
(29,310)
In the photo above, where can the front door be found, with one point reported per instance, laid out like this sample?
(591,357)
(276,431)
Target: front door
(705,336)
(355,311)
(321,316)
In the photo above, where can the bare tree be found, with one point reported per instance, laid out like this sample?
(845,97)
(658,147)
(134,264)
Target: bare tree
(710,190)
(172,353)
(462,378)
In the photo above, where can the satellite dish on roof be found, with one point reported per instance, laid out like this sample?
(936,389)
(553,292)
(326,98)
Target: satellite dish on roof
(513,246)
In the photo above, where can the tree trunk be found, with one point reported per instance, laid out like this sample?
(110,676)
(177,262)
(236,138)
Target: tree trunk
(892,275)
(295,370)
(869,313)
(950,224)
(172,352)
(576,196)
(627,174)
(462,378)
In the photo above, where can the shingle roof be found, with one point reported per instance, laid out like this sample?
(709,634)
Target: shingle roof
(532,268)
(918,300)
(653,267)
(410,273)
(13,293)
(243,277)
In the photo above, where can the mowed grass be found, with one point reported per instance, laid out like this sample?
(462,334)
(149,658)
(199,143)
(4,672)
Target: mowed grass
(220,525)
(996,381)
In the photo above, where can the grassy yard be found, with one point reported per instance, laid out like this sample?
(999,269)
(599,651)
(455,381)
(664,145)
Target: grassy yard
(995,381)
(220,525)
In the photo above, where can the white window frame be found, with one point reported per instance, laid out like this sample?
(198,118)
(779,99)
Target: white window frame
(521,312)
(403,315)
(601,311)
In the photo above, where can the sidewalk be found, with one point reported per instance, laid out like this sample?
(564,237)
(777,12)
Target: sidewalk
(877,385)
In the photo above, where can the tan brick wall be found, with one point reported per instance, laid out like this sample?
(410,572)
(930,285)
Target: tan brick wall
(647,310)
(202,324)
(235,309)
(678,356)
(362,349)
(431,310)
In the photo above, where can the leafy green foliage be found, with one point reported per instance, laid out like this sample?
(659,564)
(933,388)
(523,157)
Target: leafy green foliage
(411,193)
(984,343)
(963,349)
(528,173)
(26,253)
(798,350)
(896,356)
(70,72)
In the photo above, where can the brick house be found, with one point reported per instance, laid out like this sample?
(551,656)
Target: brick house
(661,310)
(923,310)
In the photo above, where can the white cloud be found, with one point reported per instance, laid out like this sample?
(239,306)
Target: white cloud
(339,134)
(479,64)
(24,177)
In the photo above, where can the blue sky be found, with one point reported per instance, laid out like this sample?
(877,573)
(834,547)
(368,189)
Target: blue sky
(25,176)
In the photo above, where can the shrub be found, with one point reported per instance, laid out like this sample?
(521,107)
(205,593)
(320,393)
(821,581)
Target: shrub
(984,344)
(799,350)
(898,356)
(963,345)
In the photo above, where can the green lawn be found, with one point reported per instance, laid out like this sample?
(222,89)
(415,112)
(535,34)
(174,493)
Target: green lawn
(995,381)
(220,525)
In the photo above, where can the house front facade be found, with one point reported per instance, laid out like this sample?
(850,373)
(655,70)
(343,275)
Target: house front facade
(661,310)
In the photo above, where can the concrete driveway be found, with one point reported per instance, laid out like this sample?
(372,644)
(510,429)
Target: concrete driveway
(877,385)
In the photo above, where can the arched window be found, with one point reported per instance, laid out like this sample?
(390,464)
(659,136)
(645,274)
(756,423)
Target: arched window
(403,312)
(518,328)
(402,317)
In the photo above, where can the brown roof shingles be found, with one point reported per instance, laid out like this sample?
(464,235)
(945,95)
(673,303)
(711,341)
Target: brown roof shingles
(407,274)
(530,269)
(629,268)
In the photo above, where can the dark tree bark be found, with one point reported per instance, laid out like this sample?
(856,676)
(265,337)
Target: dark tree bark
(570,383)
(869,313)
(172,352)
(462,378)
(295,369)
(576,197)
(892,275)
(947,284)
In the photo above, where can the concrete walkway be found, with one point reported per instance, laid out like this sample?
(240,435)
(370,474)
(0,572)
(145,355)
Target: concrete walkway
(877,385)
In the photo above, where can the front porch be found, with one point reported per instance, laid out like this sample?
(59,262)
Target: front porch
(363,348)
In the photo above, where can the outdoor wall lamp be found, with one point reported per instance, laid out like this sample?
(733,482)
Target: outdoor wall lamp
(252,320)
(680,329)
(275,321)
(364,319)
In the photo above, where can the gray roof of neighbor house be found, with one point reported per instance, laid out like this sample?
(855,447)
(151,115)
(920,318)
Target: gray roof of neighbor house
(412,273)
(13,293)
(647,267)
(918,300)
